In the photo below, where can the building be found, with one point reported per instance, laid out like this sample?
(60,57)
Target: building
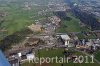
(14,62)
(66,39)
(30,57)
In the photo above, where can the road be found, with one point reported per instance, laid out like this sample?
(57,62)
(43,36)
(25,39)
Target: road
(87,55)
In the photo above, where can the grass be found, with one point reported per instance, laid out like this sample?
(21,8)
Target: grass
(83,36)
(74,26)
(97,55)
(28,64)
(69,25)
(50,53)
(17,18)
(57,52)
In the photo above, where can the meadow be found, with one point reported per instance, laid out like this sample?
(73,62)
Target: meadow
(18,17)
(59,53)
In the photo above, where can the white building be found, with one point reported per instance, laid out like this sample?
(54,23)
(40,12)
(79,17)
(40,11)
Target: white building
(30,57)
(67,39)
(19,54)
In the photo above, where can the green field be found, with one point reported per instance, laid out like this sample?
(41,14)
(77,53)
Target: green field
(70,25)
(59,53)
(17,18)
(97,55)
(73,25)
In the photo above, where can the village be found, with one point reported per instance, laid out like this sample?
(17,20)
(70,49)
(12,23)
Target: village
(53,32)
(48,39)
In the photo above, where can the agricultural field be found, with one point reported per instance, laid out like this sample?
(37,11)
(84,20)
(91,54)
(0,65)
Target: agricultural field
(18,15)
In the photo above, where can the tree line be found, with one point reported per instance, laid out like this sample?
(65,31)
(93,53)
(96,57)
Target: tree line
(87,18)
(15,38)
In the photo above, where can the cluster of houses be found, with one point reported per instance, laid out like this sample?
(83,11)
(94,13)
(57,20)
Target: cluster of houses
(57,6)
(16,57)
(90,7)
(23,54)
(89,44)
(83,44)
(27,6)
(50,23)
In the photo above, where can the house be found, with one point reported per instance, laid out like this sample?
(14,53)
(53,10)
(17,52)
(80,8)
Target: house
(14,62)
(30,57)
(23,58)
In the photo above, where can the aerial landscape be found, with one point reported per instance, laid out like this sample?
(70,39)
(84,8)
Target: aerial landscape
(49,32)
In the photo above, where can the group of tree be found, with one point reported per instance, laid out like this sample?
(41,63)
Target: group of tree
(62,15)
(87,18)
(15,38)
